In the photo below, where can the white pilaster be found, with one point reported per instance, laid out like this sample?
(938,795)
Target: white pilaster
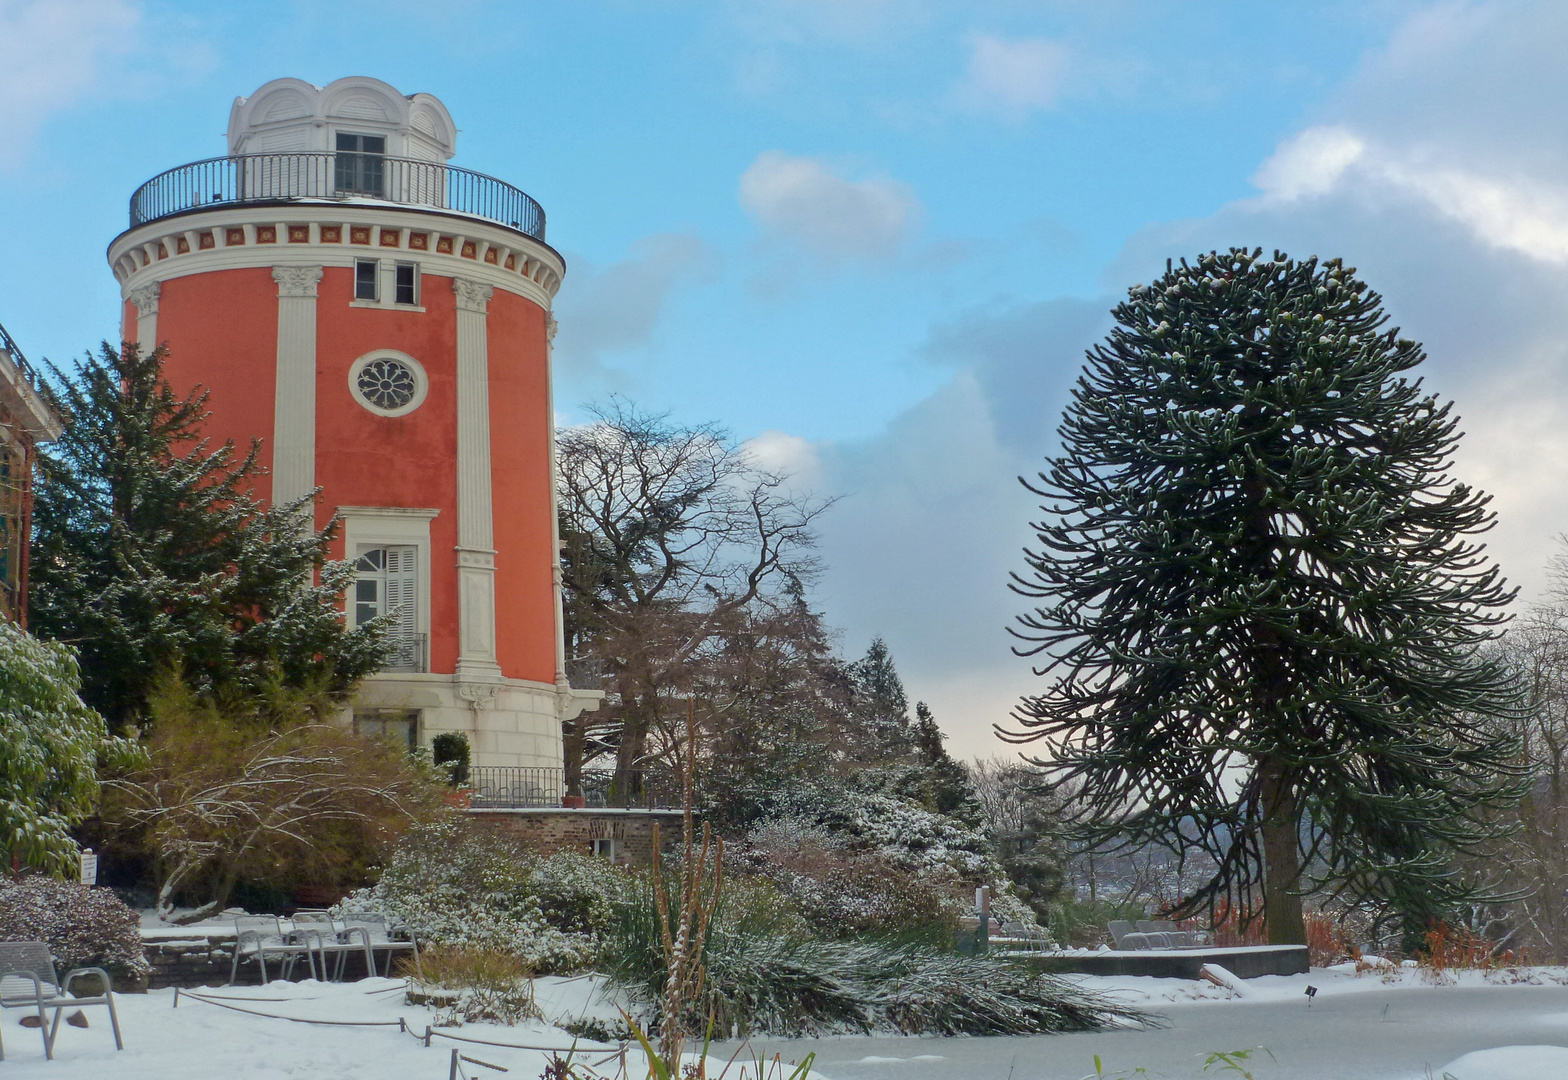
(146,301)
(562,683)
(294,412)
(476,654)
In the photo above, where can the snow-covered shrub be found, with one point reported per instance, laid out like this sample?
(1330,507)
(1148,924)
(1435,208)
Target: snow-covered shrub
(84,926)
(845,889)
(459,884)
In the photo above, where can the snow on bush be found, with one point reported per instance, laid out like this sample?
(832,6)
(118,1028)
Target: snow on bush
(456,884)
(85,927)
(872,861)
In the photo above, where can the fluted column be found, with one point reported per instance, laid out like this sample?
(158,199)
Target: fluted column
(294,411)
(476,654)
(146,301)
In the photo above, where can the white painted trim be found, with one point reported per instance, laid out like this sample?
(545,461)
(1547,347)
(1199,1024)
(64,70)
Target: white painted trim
(421,381)
(537,275)
(294,404)
(373,526)
(475,530)
(146,300)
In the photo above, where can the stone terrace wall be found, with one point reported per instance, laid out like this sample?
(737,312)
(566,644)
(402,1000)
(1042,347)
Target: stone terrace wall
(553,829)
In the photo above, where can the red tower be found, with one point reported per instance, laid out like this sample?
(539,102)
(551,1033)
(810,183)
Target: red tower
(381,321)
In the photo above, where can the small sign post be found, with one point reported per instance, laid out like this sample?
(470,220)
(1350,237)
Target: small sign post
(89,867)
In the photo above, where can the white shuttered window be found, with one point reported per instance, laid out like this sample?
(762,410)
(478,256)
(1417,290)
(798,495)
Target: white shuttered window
(387,583)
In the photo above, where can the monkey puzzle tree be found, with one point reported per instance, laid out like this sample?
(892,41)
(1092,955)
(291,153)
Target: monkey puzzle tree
(1260,603)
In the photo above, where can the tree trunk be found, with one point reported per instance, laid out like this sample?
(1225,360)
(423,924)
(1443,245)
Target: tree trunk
(635,720)
(1282,915)
(572,755)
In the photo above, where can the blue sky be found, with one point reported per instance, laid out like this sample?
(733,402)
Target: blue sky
(875,236)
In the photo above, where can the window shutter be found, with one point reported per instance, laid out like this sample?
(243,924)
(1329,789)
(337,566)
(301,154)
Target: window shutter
(402,603)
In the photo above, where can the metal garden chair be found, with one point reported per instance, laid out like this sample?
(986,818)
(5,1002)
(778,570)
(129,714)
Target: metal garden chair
(378,935)
(28,981)
(259,936)
(323,935)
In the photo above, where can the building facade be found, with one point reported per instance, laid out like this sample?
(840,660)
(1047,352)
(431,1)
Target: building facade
(25,421)
(380,321)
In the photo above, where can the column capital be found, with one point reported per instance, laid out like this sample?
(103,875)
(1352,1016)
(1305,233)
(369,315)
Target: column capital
(296,280)
(550,327)
(472,295)
(146,299)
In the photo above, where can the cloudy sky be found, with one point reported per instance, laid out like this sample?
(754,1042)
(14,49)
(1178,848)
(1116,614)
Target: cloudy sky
(874,237)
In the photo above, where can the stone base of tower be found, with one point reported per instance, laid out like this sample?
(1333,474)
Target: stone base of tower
(508,722)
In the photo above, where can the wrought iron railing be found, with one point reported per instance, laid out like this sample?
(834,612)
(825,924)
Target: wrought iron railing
(410,652)
(14,351)
(585,672)
(519,787)
(271,178)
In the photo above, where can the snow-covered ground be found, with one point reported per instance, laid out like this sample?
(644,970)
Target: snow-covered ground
(1357,1027)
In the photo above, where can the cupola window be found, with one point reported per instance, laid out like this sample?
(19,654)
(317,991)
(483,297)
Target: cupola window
(360,166)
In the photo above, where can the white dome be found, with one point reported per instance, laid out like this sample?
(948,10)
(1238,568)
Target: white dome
(291,115)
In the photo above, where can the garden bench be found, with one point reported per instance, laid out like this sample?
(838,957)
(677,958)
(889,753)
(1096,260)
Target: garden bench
(378,935)
(28,981)
(256,937)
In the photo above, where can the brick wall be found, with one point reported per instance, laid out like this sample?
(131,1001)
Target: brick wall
(576,830)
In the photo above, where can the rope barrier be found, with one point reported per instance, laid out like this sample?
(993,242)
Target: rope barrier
(431,1033)
(399,1023)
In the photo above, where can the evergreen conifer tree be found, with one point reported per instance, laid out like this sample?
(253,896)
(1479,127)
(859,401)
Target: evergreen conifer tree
(151,553)
(881,707)
(1260,600)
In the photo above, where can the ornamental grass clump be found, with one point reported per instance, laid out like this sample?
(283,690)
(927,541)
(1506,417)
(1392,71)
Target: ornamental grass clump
(491,985)
(769,973)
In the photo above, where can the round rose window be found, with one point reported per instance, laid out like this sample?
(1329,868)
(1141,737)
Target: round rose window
(387,384)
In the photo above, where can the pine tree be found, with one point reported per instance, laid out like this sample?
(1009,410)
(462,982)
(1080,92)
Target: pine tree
(151,554)
(881,706)
(1260,603)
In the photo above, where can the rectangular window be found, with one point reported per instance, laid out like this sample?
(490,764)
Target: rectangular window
(366,283)
(407,290)
(359,167)
(605,848)
(386,582)
(398,725)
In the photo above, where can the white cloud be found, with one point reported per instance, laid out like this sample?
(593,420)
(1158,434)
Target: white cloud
(1309,163)
(1510,210)
(801,200)
(1013,78)
(51,54)
(617,307)
(788,455)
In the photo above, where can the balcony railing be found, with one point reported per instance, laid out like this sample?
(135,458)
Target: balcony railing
(274,178)
(516,787)
(14,351)
(410,652)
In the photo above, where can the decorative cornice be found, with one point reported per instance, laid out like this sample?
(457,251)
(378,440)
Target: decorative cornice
(472,295)
(297,280)
(238,237)
(146,300)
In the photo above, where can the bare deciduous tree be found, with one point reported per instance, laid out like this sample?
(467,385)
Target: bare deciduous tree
(219,798)
(669,533)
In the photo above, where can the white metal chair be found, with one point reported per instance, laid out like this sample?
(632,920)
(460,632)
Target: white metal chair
(379,935)
(323,935)
(28,981)
(259,936)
